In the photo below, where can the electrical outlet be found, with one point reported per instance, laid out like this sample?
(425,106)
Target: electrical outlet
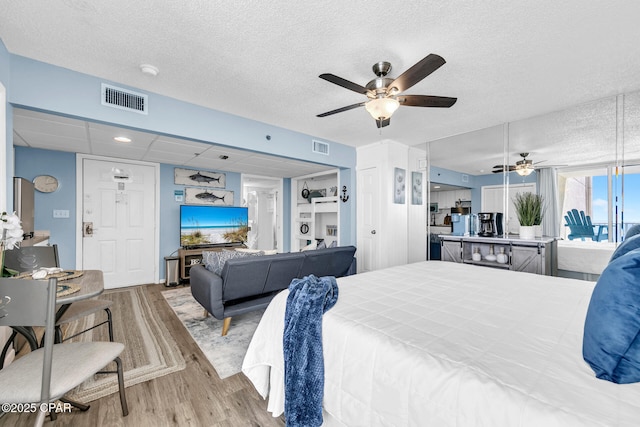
(60,213)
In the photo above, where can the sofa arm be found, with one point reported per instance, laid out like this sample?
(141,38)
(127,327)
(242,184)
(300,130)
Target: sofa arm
(206,288)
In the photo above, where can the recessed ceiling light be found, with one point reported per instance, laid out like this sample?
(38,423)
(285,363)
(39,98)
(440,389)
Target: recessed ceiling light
(149,69)
(122,139)
(436,186)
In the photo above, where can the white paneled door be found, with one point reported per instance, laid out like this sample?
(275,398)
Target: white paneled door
(118,221)
(368,219)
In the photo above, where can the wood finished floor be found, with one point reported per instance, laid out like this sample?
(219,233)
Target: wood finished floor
(195,396)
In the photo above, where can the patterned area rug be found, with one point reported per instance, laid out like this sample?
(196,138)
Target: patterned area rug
(224,353)
(150,351)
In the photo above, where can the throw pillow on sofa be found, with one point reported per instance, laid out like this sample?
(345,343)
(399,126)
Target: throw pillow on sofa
(611,343)
(214,261)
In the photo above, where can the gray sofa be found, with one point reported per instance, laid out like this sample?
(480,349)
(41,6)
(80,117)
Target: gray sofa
(249,283)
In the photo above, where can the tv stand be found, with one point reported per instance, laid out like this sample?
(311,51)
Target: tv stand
(190,256)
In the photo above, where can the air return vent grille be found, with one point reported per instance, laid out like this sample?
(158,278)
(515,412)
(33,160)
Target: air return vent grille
(124,99)
(320,147)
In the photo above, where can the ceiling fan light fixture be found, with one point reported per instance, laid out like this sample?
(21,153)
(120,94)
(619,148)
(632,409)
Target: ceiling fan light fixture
(524,170)
(382,108)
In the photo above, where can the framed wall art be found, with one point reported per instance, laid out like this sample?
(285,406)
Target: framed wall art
(399,186)
(199,178)
(416,188)
(203,196)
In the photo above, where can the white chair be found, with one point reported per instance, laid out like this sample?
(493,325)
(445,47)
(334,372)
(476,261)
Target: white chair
(48,373)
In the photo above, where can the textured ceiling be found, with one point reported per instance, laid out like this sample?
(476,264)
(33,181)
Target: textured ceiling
(506,60)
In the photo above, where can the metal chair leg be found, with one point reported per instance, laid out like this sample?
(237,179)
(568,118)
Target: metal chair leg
(123,398)
(109,323)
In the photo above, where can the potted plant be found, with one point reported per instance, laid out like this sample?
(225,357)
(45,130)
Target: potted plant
(529,211)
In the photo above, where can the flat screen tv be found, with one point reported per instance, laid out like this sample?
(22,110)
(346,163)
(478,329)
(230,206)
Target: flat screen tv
(202,225)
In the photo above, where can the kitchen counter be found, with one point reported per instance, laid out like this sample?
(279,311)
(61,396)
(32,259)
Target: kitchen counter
(440,229)
(539,256)
(39,239)
(503,240)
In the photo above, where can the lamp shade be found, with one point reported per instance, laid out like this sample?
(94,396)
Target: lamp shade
(382,108)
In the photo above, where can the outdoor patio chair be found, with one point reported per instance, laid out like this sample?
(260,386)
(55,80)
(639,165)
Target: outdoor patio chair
(582,228)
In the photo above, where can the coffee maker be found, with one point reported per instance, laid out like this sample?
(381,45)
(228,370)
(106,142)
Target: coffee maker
(489,224)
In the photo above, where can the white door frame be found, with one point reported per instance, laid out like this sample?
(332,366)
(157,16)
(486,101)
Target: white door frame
(279,204)
(79,201)
(3,149)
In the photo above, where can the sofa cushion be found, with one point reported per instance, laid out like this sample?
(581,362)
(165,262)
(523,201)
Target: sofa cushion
(244,277)
(328,262)
(611,343)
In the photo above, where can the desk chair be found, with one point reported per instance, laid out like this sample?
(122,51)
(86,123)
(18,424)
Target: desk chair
(48,373)
(31,258)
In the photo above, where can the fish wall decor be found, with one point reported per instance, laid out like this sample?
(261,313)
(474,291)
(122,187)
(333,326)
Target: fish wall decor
(199,178)
(203,196)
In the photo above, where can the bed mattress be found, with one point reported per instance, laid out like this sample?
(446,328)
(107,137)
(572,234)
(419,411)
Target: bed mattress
(446,344)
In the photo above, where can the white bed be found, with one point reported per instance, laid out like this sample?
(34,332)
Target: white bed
(584,257)
(446,344)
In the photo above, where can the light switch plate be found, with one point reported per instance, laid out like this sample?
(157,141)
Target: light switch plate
(57,213)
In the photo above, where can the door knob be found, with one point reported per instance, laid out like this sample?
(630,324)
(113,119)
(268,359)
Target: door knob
(373,231)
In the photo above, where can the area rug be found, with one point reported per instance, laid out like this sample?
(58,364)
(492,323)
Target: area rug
(149,352)
(225,353)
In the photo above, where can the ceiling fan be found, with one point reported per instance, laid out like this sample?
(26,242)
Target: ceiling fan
(384,93)
(522,167)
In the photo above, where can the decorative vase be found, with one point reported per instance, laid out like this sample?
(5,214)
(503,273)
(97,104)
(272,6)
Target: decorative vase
(538,230)
(476,255)
(491,256)
(502,257)
(527,232)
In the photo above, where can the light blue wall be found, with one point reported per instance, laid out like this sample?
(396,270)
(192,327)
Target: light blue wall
(29,163)
(49,88)
(44,87)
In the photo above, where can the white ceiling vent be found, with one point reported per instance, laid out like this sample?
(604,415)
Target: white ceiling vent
(124,99)
(320,147)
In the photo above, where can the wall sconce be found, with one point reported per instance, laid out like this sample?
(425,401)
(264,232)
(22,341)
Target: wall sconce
(344,196)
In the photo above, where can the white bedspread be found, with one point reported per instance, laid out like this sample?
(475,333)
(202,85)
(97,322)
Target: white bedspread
(446,344)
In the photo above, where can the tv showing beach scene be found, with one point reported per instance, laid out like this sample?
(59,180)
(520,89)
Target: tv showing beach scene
(212,225)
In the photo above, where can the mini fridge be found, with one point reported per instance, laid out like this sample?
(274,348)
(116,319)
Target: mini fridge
(24,206)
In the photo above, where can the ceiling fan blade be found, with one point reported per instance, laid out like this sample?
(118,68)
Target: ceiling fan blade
(426,101)
(383,123)
(500,168)
(418,72)
(340,110)
(344,83)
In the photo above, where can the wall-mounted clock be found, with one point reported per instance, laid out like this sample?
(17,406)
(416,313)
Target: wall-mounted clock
(45,183)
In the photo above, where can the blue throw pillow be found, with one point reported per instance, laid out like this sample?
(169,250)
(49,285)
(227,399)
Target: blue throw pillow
(632,231)
(611,343)
(629,244)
